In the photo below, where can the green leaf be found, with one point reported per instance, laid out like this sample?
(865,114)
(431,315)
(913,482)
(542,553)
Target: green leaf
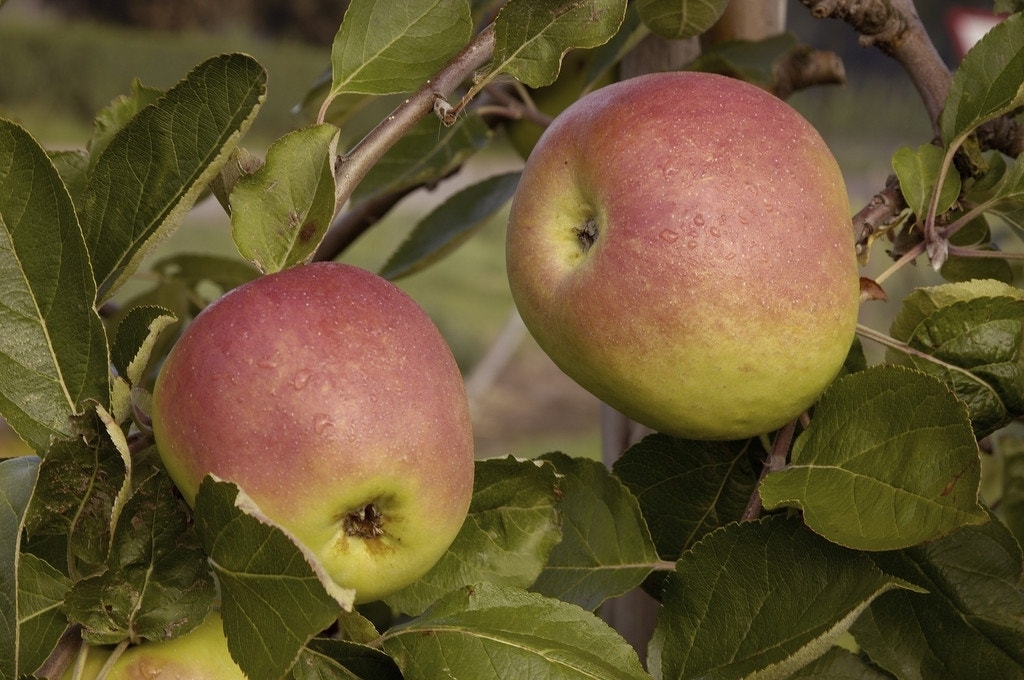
(687,488)
(888,461)
(41,592)
(976,234)
(275,595)
(975,332)
(918,172)
(532,36)
(384,47)
(136,334)
(750,60)
(675,19)
(157,165)
(17,478)
(1011,509)
(73,167)
(280,213)
(116,115)
(606,549)
(157,584)
(760,599)
(969,624)
(987,83)
(53,352)
(76,497)
(450,224)
(839,664)
(509,532)
(489,631)
(324,659)
(427,153)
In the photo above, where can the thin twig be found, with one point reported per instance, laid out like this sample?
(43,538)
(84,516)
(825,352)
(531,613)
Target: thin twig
(776,461)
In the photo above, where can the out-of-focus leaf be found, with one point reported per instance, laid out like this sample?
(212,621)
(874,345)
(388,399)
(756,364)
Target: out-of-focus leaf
(53,351)
(427,153)
(157,583)
(41,593)
(531,36)
(970,622)
(492,632)
(1010,446)
(506,539)
(918,171)
(761,598)
(675,19)
(606,549)
(324,659)
(17,478)
(275,596)
(987,83)
(888,461)
(450,224)
(749,60)
(280,213)
(157,165)
(687,488)
(975,332)
(383,47)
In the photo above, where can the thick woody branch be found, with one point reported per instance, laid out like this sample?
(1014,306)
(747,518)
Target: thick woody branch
(895,28)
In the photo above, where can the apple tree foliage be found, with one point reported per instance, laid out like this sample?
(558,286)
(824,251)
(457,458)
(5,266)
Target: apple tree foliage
(856,543)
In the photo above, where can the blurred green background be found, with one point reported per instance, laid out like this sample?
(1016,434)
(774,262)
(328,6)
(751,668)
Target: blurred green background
(57,70)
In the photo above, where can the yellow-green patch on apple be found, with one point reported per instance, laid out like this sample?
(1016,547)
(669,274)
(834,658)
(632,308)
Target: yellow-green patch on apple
(680,244)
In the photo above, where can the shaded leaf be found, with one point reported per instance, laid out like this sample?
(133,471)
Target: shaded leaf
(133,342)
(383,47)
(324,659)
(606,548)
(987,82)
(687,488)
(675,19)
(918,171)
(975,331)
(280,213)
(275,596)
(116,115)
(750,60)
(839,664)
(489,631)
(888,461)
(532,36)
(1011,509)
(509,532)
(969,624)
(53,352)
(450,224)
(17,478)
(157,583)
(155,167)
(760,598)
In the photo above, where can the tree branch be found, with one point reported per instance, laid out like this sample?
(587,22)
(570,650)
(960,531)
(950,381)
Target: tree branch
(895,28)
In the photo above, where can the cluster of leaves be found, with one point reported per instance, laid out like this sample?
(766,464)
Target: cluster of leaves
(875,537)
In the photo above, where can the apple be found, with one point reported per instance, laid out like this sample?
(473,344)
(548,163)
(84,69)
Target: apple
(200,654)
(680,244)
(330,397)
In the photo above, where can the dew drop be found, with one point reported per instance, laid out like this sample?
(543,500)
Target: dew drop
(321,421)
(669,236)
(715,232)
(301,379)
(744,216)
(698,220)
(267,362)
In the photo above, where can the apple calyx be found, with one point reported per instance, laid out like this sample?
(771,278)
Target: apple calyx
(587,234)
(366,522)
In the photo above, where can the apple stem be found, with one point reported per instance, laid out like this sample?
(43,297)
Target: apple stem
(776,461)
(115,654)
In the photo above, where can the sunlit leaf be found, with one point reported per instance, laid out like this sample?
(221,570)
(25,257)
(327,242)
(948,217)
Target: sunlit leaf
(491,632)
(918,171)
(889,461)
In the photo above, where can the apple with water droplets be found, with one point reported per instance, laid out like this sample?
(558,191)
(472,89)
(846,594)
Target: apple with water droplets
(680,244)
(330,398)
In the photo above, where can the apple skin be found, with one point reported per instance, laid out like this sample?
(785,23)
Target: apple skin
(200,654)
(680,244)
(324,390)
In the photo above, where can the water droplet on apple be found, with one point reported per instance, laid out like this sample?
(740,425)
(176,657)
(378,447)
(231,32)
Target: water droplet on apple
(301,378)
(744,216)
(669,236)
(698,220)
(321,421)
(691,244)
(267,362)
(715,232)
